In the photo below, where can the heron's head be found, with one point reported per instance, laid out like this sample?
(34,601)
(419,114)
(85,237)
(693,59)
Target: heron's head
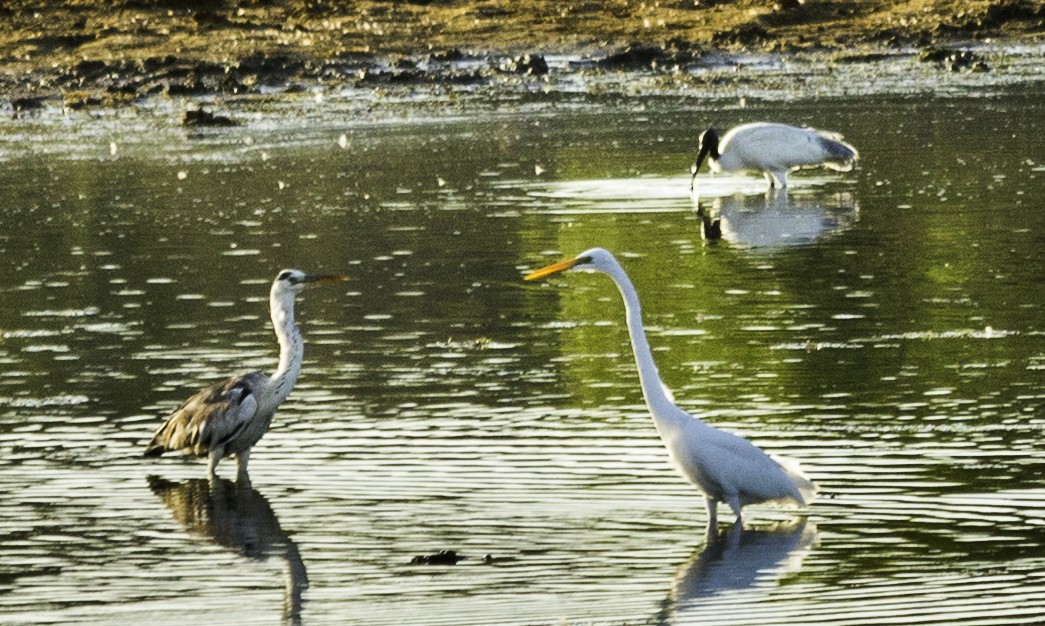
(594,260)
(290,282)
(708,146)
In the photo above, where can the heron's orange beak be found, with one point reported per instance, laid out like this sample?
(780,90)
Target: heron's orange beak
(325,278)
(554,268)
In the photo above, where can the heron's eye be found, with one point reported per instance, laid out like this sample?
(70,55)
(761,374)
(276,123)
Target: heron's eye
(286,276)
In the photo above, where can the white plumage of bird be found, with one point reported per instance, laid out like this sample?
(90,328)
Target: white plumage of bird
(724,466)
(773,149)
(230,417)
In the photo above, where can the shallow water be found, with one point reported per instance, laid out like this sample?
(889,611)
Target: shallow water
(883,326)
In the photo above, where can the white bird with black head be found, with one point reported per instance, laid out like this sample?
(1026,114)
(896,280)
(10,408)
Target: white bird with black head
(724,466)
(773,149)
(230,417)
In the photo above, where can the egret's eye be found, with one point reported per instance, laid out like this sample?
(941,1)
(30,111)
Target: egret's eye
(288,275)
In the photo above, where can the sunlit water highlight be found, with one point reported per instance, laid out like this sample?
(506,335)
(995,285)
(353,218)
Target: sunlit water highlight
(884,327)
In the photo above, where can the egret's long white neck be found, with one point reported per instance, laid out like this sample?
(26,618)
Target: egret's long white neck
(652,388)
(291,345)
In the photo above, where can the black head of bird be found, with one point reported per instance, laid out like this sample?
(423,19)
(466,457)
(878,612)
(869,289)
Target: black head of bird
(708,147)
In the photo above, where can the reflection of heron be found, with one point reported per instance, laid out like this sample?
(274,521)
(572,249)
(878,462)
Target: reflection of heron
(774,150)
(237,517)
(776,219)
(734,560)
(726,467)
(232,416)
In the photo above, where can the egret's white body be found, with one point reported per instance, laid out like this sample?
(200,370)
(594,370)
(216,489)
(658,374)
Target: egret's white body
(773,149)
(230,417)
(724,466)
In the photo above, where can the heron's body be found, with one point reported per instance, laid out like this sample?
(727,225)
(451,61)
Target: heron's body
(724,466)
(230,417)
(774,150)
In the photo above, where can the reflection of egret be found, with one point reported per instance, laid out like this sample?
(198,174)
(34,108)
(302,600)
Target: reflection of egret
(736,559)
(232,416)
(776,219)
(726,467)
(237,517)
(774,150)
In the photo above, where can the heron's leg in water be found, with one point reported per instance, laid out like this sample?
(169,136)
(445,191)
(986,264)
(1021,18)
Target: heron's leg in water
(734,503)
(777,179)
(242,458)
(736,531)
(712,511)
(212,462)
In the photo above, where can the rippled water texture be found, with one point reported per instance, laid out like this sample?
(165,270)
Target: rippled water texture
(885,327)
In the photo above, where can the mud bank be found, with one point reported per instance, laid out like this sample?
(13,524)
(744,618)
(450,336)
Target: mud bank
(86,54)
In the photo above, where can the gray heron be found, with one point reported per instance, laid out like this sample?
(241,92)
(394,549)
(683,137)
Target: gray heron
(724,466)
(230,417)
(774,150)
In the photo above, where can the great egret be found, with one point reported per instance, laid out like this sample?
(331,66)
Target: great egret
(230,417)
(774,150)
(725,467)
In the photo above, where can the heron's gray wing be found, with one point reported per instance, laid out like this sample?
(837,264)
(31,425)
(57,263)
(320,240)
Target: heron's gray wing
(210,418)
(224,426)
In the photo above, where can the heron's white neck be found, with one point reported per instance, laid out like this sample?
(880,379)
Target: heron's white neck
(657,400)
(291,345)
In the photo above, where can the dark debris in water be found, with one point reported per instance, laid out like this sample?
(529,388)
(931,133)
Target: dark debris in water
(634,57)
(447,56)
(464,345)
(528,64)
(954,60)
(443,557)
(404,75)
(198,118)
(640,57)
(27,103)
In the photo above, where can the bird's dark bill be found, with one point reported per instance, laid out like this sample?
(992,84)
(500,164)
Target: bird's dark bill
(325,278)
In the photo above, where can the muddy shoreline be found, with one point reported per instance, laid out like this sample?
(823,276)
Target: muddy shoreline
(93,54)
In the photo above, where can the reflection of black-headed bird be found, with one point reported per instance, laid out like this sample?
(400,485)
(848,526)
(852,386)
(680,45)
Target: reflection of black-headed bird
(776,219)
(237,517)
(232,416)
(774,150)
(724,466)
(736,559)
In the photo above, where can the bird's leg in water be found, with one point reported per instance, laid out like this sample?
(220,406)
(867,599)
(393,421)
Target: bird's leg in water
(712,512)
(736,531)
(212,463)
(242,458)
(734,503)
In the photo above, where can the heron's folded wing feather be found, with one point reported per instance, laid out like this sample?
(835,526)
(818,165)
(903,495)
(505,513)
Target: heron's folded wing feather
(228,426)
(209,418)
